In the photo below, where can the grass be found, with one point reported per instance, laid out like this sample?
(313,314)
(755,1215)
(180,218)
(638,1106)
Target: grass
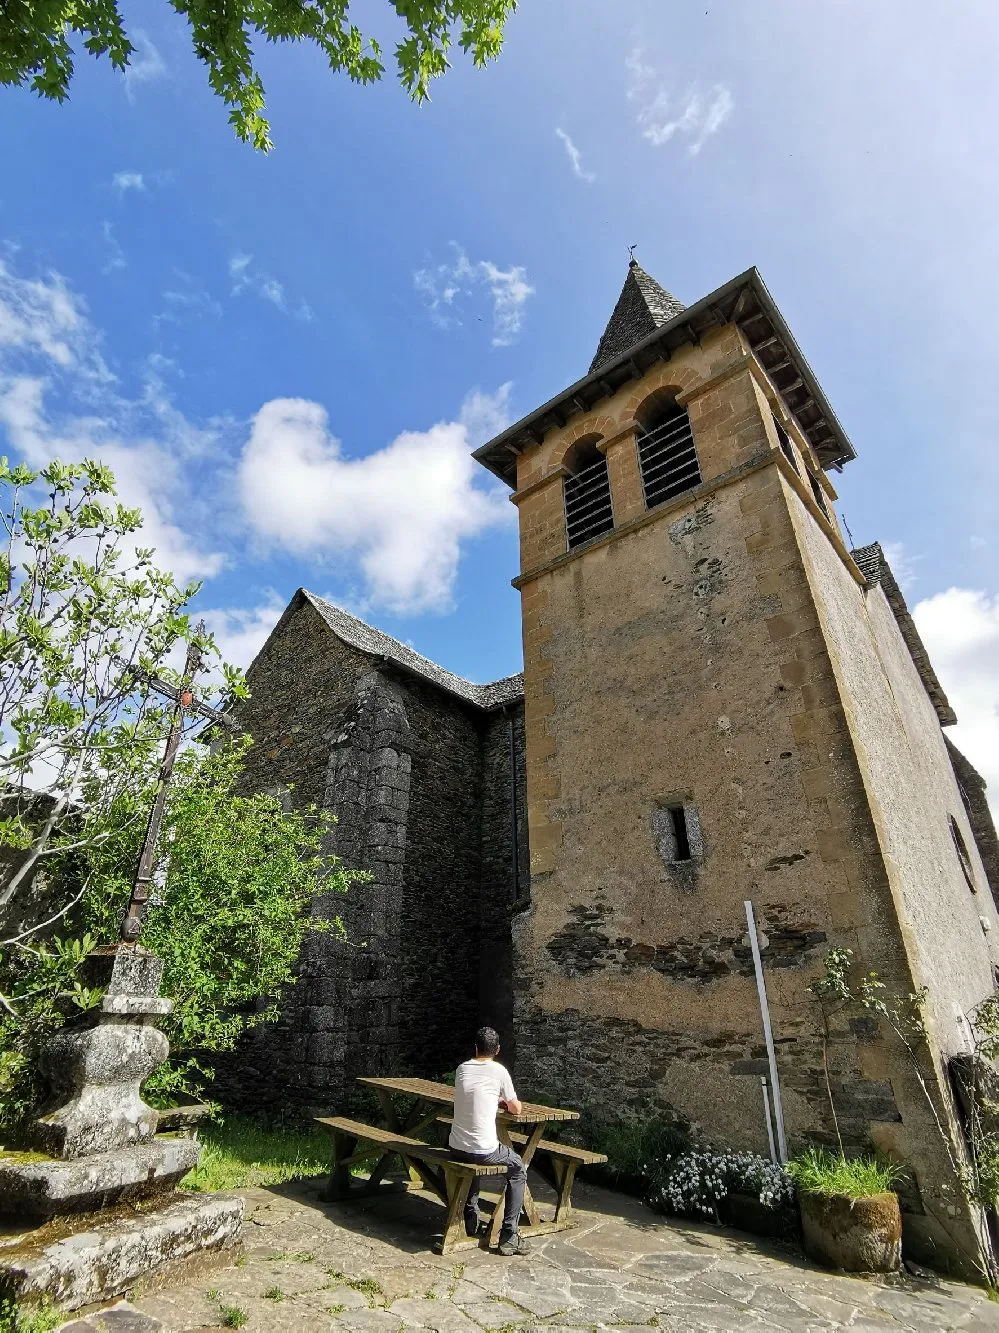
(274,1294)
(240,1153)
(232,1316)
(819,1171)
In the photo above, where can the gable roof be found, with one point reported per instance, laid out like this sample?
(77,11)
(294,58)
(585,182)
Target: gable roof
(366,639)
(642,307)
(871,562)
(745,302)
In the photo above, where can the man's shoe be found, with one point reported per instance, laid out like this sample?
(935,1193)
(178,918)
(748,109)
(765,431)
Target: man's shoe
(473,1226)
(513,1245)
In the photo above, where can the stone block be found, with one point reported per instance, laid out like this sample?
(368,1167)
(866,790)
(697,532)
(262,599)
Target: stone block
(124,970)
(104,1260)
(47,1188)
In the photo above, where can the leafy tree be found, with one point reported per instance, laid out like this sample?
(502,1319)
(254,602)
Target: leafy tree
(36,43)
(236,896)
(85,619)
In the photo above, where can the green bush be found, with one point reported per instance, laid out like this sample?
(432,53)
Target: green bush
(229,920)
(819,1171)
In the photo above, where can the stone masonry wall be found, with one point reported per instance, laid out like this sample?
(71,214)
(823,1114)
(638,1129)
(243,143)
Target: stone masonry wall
(400,764)
(505,867)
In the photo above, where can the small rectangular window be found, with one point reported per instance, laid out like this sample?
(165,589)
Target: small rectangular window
(676,831)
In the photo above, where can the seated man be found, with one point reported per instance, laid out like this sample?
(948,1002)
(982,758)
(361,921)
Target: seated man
(481,1088)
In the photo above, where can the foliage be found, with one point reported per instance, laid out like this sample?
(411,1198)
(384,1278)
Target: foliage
(902,1014)
(697,1181)
(41,983)
(36,43)
(979,1179)
(241,1154)
(818,1171)
(85,619)
(229,917)
(637,1150)
(19,1318)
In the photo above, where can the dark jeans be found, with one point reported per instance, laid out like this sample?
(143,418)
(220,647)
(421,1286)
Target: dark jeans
(516,1183)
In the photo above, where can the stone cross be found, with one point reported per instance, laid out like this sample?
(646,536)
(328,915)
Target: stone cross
(184,703)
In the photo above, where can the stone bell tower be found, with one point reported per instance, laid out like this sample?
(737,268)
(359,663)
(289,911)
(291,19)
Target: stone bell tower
(724,703)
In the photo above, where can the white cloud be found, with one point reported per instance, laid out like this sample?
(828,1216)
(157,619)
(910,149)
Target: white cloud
(116,255)
(509,290)
(960,628)
(240,632)
(43,316)
(903,565)
(575,157)
(145,65)
(662,113)
(123,181)
(49,347)
(245,277)
(400,513)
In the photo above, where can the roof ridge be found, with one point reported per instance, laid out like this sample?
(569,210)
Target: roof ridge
(376,643)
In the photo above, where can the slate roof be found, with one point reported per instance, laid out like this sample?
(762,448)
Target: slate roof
(642,307)
(364,637)
(743,301)
(873,564)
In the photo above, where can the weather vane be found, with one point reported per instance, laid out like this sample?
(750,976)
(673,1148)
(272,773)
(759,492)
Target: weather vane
(631,253)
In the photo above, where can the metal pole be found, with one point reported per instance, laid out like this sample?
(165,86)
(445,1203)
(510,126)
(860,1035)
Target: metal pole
(770,1123)
(761,988)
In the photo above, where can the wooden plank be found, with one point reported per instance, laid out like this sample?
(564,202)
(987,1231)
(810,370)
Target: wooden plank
(566,1150)
(456,1192)
(441,1093)
(400,1143)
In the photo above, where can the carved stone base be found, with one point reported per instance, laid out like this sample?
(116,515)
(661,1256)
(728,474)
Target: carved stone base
(97,1065)
(44,1189)
(93,1260)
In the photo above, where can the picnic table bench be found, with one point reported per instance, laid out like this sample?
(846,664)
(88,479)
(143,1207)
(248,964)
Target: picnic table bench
(431,1166)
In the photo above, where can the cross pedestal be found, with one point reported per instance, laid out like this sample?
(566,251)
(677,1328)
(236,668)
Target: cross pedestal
(103,1175)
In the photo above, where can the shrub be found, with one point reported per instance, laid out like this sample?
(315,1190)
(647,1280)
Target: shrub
(819,1171)
(694,1183)
(637,1151)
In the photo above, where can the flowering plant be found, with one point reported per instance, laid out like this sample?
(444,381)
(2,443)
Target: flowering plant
(696,1182)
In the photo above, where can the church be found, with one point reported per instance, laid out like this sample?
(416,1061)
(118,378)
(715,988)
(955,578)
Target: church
(721,704)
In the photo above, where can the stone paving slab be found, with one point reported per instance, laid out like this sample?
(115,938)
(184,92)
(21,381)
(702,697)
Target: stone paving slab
(367,1266)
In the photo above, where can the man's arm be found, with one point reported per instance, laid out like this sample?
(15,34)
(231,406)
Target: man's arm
(509,1101)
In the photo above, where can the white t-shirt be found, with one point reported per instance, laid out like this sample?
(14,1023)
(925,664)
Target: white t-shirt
(478,1086)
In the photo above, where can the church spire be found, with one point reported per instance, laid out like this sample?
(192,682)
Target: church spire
(642,307)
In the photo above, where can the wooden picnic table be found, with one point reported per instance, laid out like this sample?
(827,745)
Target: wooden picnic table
(430,1166)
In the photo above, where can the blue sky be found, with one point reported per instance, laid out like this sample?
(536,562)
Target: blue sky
(288,358)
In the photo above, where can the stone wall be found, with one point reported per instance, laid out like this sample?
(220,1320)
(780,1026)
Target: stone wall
(401,764)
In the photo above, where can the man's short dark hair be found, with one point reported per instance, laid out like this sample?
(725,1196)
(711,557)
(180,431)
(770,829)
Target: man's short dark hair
(487,1041)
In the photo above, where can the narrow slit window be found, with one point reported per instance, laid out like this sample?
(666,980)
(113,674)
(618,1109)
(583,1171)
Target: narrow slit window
(588,510)
(786,447)
(667,458)
(961,847)
(678,818)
